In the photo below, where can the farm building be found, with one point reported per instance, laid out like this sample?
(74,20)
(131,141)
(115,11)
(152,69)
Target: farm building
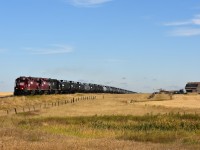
(193,87)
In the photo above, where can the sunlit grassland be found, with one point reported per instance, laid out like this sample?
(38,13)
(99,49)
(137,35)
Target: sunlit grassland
(123,120)
(22,101)
(165,128)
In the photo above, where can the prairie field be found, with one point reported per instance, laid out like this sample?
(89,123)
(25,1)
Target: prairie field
(3,94)
(100,121)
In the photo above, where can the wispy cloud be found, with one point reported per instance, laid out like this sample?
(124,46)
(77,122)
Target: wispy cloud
(53,49)
(194,21)
(87,3)
(185,32)
(187,28)
(178,23)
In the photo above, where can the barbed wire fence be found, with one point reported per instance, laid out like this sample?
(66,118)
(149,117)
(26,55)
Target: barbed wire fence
(46,105)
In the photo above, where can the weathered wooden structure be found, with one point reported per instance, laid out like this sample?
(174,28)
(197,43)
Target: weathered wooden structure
(193,87)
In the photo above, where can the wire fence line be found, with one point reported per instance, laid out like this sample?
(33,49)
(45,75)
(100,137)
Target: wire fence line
(46,105)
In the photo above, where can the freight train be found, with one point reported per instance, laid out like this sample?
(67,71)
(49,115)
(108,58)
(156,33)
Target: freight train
(35,86)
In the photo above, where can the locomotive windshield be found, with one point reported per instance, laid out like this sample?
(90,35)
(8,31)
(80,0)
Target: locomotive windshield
(20,81)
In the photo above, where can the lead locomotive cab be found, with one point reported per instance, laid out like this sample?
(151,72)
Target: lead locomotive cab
(20,85)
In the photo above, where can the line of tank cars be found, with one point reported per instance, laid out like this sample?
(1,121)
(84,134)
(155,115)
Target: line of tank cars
(34,85)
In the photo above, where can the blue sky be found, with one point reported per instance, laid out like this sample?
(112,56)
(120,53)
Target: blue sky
(139,45)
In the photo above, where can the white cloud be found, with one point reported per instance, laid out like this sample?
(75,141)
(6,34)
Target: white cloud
(186,28)
(194,21)
(185,32)
(177,23)
(87,3)
(54,49)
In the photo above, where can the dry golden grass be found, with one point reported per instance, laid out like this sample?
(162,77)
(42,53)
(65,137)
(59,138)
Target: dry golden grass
(21,101)
(3,94)
(105,104)
(128,104)
(71,143)
(179,101)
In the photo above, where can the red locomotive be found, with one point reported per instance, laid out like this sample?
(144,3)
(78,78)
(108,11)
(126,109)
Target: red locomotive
(31,85)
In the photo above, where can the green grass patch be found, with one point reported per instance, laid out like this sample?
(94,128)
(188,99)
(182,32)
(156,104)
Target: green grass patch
(152,136)
(148,128)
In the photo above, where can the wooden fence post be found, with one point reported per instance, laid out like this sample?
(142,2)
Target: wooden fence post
(15,110)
